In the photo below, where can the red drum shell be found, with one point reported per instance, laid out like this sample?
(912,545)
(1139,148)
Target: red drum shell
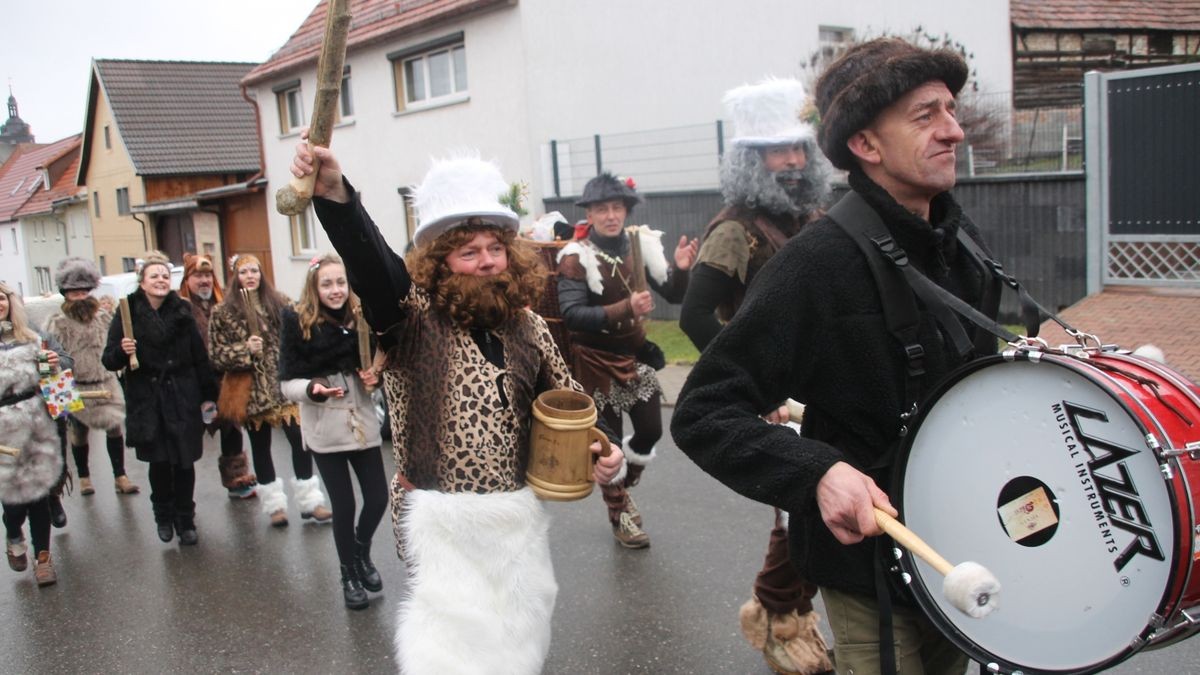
(1043,470)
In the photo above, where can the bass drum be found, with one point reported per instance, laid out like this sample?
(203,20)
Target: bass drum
(1069,477)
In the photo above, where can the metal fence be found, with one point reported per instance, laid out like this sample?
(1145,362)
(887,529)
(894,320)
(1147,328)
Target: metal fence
(1034,224)
(999,140)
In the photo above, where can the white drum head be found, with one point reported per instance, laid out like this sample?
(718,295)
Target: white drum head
(1013,468)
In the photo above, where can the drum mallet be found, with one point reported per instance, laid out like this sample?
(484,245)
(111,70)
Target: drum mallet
(969,586)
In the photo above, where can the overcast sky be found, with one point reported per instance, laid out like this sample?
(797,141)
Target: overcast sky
(48,45)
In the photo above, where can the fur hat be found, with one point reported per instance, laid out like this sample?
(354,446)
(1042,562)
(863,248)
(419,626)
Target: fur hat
(76,274)
(152,258)
(607,187)
(193,263)
(869,77)
(457,189)
(767,113)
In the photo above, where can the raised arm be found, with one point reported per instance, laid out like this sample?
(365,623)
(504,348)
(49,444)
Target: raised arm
(375,272)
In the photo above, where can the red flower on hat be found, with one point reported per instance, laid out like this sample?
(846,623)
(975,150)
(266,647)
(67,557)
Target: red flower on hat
(630,184)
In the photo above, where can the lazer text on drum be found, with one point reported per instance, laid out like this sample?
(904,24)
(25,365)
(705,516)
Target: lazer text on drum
(1114,496)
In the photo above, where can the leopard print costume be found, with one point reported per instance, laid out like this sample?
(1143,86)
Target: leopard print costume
(459,423)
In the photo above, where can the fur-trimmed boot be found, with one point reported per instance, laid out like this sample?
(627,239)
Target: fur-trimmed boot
(274,502)
(311,500)
(164,519)
(637,463)
(352,589)
(17,551)
(236,476)
(365,569)
(791,643)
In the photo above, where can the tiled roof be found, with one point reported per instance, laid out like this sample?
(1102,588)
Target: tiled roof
(1168,318)
(371,21)
(1172,15)
(20,172)
(42,201)
(182,117)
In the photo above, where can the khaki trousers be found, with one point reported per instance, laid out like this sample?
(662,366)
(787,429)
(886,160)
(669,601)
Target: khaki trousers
(920,647)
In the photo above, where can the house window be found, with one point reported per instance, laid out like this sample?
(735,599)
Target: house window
(107,138)
(425,75)
(103,265)
(291,110)
(128,264)
(123,201)
(16,249)
(834,40)
(304,235)
(347,107)
(96,203)
(43,279)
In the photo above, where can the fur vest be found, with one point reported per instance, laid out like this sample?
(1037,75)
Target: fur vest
(162,419)
(25,425)
(85,342)
(227,335)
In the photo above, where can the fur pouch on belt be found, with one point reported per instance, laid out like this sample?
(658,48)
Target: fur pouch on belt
(481,586)
(236,387)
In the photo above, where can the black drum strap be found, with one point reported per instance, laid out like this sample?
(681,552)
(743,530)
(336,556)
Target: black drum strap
(900,314)
(883,601)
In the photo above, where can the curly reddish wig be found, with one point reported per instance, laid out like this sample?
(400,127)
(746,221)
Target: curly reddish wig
(520,285)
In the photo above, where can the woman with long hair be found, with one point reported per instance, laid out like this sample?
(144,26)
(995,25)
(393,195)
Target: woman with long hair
(27,478)
(167,395)
(244,344)
(319,368)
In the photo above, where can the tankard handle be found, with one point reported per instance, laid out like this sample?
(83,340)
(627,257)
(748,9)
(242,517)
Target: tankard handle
(595,434)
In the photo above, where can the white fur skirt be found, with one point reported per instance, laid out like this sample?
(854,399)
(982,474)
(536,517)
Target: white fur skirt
(481,584)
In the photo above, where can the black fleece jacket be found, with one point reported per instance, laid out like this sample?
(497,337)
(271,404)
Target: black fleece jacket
(812,328)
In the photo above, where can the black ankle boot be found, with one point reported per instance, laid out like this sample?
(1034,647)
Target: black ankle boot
(58,517)
(365,569)
(352,590)
(185,525)
(164,517)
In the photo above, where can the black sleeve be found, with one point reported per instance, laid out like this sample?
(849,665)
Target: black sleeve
(573,303)
(289,345)
(375,272)
(672,291)
(707,288)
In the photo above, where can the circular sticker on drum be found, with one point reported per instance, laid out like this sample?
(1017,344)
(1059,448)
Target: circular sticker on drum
(1038,473)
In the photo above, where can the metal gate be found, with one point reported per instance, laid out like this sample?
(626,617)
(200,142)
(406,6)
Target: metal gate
(1143,177)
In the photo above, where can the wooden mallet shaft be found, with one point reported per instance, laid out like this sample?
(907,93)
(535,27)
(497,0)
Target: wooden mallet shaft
(909,540)
(127,328)
(11,452)
(293,198)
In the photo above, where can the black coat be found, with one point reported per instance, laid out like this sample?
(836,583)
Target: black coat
(812,329)
(330,349)
(163,396)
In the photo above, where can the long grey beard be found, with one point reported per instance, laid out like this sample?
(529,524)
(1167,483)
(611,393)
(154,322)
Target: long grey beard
(745,181)
(205,294)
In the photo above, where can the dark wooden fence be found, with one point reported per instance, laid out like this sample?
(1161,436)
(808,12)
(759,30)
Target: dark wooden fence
(1034,223)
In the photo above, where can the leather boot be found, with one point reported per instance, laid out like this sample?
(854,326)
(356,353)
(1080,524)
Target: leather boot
(44,570)
(352,590)
(185,525)
(124,486)
(625,530)
(85,486)
(164,518)
(365,569)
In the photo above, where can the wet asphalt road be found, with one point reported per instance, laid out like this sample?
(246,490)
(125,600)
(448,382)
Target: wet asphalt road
(251,598)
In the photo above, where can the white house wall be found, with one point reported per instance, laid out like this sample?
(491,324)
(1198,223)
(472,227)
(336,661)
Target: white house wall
(14,271)
(547,69)
(381,150)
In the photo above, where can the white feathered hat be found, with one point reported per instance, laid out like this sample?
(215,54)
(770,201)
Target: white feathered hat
(459,188)
(767,113)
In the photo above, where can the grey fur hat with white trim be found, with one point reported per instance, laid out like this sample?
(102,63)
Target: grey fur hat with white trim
(869,77)
(456,190)
(76,274)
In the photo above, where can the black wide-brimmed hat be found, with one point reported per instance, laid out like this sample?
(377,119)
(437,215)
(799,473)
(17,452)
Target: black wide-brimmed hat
(607,187)
(870,77)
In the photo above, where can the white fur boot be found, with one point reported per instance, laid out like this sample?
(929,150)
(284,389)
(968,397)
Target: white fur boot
(274,501)
(311,500)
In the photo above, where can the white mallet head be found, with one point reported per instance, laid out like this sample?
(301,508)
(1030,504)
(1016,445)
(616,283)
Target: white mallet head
(972,589)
